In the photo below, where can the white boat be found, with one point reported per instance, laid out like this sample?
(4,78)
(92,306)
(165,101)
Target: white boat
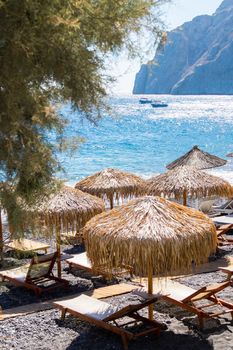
(145,100)
(158,104)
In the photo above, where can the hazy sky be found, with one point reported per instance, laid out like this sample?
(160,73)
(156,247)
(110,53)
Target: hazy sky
(176,13)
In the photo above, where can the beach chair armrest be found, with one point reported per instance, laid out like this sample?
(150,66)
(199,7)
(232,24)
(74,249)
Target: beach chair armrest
(207,291)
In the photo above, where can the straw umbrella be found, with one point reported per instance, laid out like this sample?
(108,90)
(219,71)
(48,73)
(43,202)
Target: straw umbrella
(68,207)
(112,184)
(229,155)
(185,180)
(152,235)
(198,158)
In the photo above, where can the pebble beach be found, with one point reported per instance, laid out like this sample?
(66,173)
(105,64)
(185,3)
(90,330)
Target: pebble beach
(116,201)
(139,127)
(44,330)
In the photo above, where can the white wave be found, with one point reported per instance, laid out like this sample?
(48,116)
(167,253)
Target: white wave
(225,174)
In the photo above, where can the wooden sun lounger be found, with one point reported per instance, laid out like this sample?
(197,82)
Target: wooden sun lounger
(226,208)
(189,299)
(228,270)
(221,231)
(224,219)
(82,262)
(72,238)
(37,275)
(104,315)
(27,245)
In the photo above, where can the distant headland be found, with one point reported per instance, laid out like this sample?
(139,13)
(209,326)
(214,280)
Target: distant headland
(197,58)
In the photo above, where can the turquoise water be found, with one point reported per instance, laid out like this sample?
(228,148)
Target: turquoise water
(142,139)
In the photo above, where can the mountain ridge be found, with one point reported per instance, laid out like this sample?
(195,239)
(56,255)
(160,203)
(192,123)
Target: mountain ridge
(196,59)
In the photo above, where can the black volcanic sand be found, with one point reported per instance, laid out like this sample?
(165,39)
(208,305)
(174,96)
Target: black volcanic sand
(45,331)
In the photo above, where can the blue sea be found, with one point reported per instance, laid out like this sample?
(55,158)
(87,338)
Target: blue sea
(142,139)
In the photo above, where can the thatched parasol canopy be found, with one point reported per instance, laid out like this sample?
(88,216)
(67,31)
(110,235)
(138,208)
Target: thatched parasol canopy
(199,159)
(67,210)
(152,235)
(150,230)
(112,184)
(229,155)
(186,180)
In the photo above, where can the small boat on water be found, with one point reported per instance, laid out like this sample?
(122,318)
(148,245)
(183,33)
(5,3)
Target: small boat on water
(159,104)
(145,100)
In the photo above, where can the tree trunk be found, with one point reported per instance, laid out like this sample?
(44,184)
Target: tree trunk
(1,237)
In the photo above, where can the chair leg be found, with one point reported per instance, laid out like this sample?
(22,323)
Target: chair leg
(63,314)
(201,321)
(69,268)
(37,292)
(229,274)
(124,341)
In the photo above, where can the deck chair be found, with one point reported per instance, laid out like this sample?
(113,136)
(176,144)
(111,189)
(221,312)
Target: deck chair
(37,275)
(226,208)
(228,270)
(82,262)
(104,315)
(72,238)
(221,231)
(26,245)
(193,300)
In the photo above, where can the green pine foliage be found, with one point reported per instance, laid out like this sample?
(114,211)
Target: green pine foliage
(51,52)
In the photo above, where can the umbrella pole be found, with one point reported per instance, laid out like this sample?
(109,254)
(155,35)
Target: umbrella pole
(150,291)
(111,203)
(185,198)
(58,246)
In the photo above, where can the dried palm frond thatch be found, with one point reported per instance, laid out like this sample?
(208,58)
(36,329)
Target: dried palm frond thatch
(112,184)
(229,155)
(186,180)
(68,210)
(150,233)
(199,159)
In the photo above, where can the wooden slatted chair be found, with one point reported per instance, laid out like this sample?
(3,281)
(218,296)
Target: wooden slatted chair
(228,270)
(104,315)
(82,262)
(192,300)
(72,238)
(221,231)
(226,208)
(37,275)
(26,245)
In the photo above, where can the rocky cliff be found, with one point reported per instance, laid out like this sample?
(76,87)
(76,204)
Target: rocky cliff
(196,59)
